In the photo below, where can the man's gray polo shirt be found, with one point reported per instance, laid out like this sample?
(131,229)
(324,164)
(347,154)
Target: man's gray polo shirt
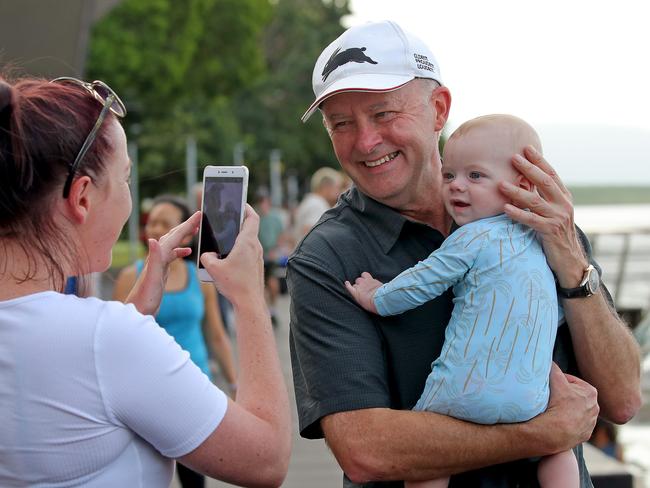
(346,359)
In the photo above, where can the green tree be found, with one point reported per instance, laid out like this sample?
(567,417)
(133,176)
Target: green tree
(223,71)
(178,65)
(270,110)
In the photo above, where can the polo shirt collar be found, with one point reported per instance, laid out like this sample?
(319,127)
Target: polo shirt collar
(383,222)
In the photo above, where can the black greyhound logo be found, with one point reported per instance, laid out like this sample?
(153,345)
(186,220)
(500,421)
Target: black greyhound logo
(354,54)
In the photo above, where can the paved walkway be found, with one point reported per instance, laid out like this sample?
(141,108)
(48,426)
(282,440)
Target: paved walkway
(312,464)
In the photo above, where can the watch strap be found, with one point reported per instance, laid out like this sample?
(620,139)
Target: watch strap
(581,291)
(578,292)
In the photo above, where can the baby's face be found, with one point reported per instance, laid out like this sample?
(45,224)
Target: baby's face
(473,165)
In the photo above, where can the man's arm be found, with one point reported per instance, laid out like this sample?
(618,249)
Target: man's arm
(602,342)
(606,352)
(382,444)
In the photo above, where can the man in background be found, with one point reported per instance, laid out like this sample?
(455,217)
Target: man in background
(325,186)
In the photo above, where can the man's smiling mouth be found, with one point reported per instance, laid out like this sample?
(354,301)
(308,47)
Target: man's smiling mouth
(380,161)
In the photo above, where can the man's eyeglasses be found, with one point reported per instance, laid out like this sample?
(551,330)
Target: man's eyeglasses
(110,101)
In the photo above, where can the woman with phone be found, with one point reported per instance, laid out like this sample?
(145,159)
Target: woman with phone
(95,393)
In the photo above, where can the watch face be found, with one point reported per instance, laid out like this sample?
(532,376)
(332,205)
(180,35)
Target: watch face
(593,281)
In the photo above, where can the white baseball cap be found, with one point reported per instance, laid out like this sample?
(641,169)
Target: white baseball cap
(373,57)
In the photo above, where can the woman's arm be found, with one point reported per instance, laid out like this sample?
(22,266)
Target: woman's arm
(217,340)
(252,444)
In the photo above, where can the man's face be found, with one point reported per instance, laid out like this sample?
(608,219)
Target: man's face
(386,142)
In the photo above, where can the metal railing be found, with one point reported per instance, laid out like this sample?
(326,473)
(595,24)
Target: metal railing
(625,258)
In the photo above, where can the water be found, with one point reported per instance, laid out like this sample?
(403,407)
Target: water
(613,218)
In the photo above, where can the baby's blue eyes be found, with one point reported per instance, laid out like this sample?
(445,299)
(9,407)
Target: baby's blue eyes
(472,175)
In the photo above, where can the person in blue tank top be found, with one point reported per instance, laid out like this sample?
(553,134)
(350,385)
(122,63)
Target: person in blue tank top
(498,350)
(187,306)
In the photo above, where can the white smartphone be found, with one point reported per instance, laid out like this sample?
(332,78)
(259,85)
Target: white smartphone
(222,206)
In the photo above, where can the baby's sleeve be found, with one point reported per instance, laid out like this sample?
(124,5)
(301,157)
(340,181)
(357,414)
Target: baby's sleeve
(430,278)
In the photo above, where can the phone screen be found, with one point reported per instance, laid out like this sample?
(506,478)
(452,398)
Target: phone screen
(222,199)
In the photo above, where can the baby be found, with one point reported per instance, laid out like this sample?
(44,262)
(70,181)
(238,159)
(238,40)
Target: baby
(495,363)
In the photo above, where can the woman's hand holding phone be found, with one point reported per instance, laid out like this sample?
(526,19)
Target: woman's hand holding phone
(240,276)
(148,289)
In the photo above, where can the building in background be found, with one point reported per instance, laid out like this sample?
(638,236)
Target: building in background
(48,38)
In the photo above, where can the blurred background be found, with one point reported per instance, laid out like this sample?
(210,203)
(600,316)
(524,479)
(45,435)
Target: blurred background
(226,81)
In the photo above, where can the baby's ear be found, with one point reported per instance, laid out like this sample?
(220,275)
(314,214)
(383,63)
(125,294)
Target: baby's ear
(525,183)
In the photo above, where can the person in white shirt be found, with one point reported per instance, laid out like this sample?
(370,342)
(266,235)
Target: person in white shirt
(325,189)
(92,392)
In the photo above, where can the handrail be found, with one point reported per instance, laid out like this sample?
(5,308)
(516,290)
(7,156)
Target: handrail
(626,260)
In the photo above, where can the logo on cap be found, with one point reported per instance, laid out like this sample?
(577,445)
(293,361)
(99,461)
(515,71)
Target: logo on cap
(353,54)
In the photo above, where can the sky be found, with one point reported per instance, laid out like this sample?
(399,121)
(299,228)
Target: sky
(578,71)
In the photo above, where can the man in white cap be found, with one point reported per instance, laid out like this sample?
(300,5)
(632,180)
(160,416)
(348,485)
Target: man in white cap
(357,375)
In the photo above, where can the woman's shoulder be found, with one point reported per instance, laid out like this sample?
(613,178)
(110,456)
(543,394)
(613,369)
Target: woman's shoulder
(89,315)
(121,326)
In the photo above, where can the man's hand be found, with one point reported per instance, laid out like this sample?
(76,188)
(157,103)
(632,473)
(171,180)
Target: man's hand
(363,291)
(571,414)
(550,213)
(606,353)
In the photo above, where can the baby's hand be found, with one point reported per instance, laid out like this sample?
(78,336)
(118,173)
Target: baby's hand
(363,290)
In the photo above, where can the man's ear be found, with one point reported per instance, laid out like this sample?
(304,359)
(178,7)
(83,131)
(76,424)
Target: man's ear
(441,100)
(524,183)
(78,201)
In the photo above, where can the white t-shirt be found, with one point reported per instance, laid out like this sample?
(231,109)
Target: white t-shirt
(95,394)
(308,212)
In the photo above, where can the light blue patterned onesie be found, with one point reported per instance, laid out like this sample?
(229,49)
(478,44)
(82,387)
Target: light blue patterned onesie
(495,363)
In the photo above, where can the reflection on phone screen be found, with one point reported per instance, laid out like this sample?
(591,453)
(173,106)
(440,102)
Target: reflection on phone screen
(222,199)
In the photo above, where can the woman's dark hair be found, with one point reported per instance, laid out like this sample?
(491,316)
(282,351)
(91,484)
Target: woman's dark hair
(42,127)
(185,211)
(177,202)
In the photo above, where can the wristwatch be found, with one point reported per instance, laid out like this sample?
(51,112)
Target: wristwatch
(588,285)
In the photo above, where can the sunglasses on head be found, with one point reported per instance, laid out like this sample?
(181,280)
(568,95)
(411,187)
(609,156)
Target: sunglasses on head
(109,100)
